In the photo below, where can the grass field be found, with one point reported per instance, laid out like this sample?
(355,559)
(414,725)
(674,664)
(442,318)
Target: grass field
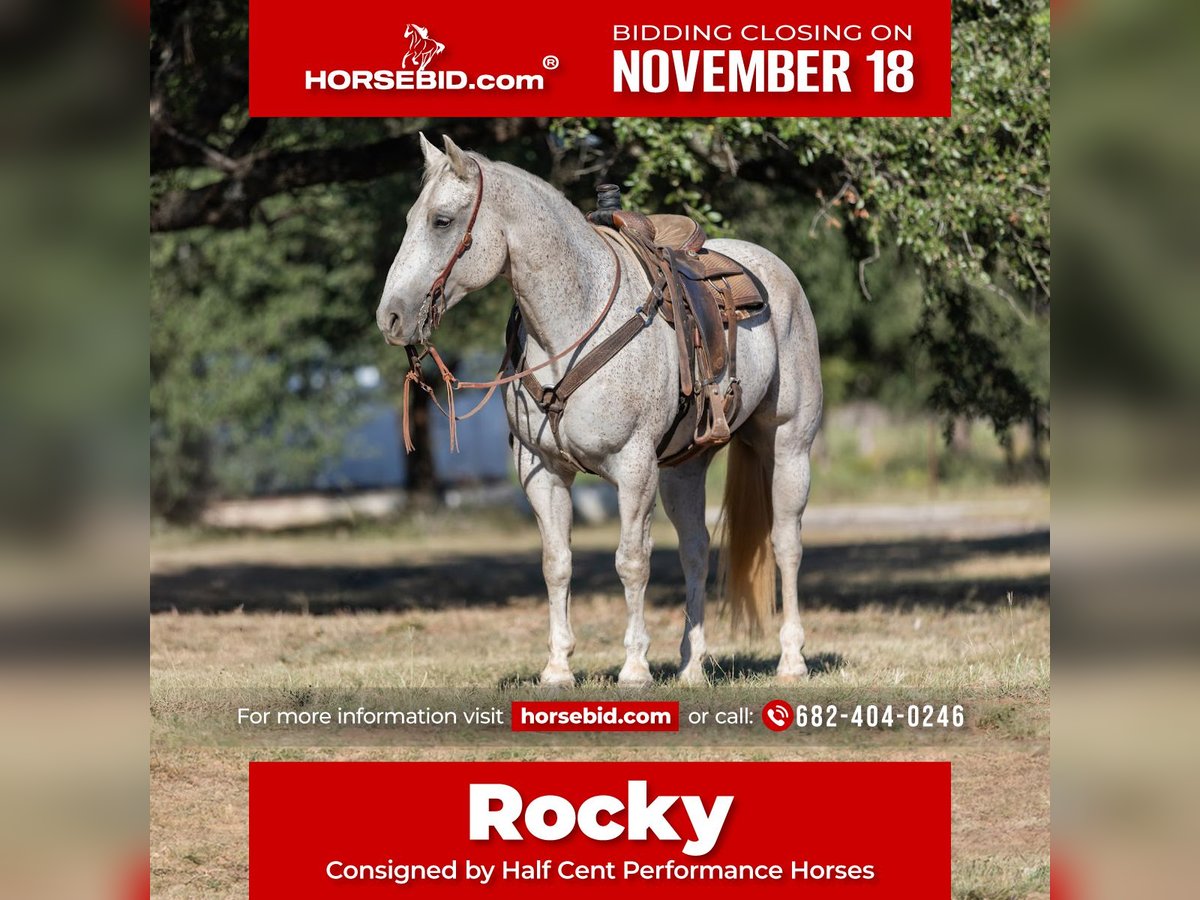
(952,606)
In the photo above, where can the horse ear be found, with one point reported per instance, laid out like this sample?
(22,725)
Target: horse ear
(431,153)
(459,161)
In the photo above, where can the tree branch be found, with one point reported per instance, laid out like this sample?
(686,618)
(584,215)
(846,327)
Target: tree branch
(862,271)
(823,212)
(202,153)
(231,202)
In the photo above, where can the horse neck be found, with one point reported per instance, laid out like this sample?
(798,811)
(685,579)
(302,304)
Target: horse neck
(559,267)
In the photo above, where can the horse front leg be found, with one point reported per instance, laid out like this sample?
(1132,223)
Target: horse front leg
(549,495)
(637,484)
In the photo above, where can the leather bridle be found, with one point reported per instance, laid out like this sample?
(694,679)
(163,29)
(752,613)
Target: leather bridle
(436,295)
(435,298)
(511,353)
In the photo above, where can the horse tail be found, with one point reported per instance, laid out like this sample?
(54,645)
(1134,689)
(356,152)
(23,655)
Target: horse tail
(746,570)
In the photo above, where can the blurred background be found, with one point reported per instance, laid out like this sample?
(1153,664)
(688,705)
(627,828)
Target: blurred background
(73,420)
(1127,485)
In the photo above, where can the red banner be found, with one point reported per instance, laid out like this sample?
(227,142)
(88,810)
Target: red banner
(595,715)
(532,829)
(473,58)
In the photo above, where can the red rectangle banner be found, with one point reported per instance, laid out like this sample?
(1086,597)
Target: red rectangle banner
(474,58)
(595,715)
(531,829)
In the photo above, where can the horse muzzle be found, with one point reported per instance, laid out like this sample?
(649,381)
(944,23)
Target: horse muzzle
(400,330)
(391,326)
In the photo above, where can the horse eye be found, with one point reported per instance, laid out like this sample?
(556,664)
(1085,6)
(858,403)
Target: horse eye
(442,221)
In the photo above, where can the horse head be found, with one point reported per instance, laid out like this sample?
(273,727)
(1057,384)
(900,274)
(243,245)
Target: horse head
(437,223)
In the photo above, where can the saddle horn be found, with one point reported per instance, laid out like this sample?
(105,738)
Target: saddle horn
(608,201)
(608,196)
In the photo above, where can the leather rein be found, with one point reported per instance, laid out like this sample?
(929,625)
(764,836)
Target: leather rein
(435,298)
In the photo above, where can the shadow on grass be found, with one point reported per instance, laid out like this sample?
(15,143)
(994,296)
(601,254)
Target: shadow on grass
(720,670)
(727,669)
(894,573)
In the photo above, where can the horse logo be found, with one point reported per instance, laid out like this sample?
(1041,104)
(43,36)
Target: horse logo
(421,47)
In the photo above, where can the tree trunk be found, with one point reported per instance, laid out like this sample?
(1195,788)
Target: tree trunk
(932,463)
(960,441)
(420,472)
(1037,443)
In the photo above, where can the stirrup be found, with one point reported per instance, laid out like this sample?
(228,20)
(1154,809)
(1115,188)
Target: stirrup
(713,428)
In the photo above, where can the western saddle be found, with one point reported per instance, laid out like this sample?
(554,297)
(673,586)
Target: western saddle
(699,292)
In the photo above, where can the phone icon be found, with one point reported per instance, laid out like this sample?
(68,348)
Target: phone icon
(778,715)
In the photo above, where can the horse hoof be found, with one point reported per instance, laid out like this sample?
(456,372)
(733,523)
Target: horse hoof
(555,677)
(692,675)
(635,676)
(792,672)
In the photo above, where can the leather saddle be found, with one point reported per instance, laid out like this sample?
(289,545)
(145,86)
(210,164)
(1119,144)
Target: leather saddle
(701,293)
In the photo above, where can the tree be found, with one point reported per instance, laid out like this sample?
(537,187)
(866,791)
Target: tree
(255,338)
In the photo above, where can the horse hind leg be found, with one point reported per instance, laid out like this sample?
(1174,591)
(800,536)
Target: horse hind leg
(791,478)
(682,490)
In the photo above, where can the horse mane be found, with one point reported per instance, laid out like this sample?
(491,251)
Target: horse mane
(544,188)
(423,32)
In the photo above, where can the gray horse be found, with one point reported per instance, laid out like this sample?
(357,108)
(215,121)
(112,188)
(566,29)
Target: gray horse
(562,272)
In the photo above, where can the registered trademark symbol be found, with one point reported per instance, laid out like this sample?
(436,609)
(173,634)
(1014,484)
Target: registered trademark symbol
(550,62)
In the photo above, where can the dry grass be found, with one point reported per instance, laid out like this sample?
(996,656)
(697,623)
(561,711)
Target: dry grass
(955,615)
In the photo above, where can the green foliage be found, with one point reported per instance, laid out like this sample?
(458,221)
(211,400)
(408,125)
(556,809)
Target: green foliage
(866,346)
(254,337)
